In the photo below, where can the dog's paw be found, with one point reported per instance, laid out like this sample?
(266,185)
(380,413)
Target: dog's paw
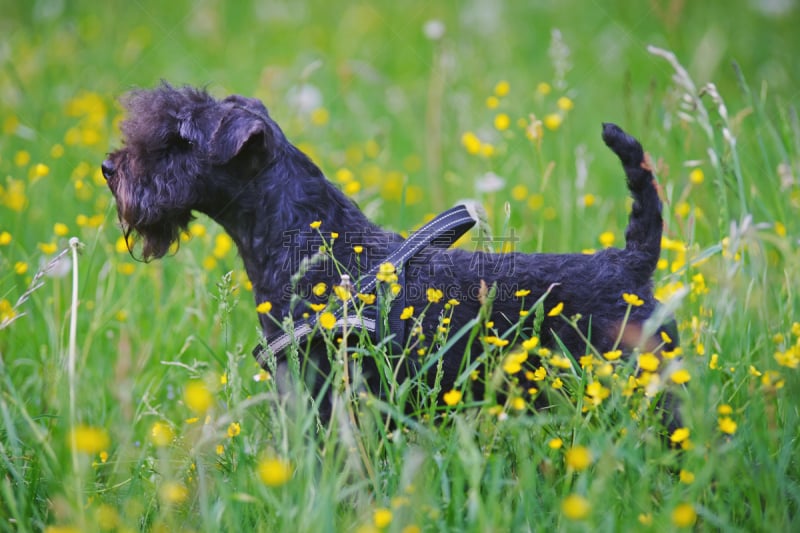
(626,147)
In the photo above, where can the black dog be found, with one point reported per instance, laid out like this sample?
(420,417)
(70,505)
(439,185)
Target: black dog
(185,151)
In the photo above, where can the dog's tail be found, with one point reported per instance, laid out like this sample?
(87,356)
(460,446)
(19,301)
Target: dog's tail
(643,234)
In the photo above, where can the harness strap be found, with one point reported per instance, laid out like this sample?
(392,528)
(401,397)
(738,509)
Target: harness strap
(441,232)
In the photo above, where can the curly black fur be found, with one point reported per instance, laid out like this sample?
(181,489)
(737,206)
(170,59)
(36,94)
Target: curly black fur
(185,151)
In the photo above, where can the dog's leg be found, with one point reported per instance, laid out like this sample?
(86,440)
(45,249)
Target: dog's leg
(645,226)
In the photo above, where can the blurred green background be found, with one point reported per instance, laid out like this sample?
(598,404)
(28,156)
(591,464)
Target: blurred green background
(384,96)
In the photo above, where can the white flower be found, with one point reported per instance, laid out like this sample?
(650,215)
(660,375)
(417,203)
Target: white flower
(489,182)
(434,29)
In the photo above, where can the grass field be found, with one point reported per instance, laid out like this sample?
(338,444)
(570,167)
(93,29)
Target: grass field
(129,399)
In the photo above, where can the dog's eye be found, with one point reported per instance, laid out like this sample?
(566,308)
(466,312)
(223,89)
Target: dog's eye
(176,142)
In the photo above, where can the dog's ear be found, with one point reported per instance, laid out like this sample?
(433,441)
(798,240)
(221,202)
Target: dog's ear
(239,132)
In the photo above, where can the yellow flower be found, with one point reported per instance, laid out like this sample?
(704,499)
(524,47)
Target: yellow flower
(262,376)
(613,355)
(320,116)
(597,392)
(222,245)
(88,439)
(560,361)
(452,398)
(543,88)
(264,308)
(578,458)
(334,235)
(513,362)
(519,192)
(679,435)
(48,248)
(681,376)
(434,295)
(20,267)
(552,121)
(589,200)
(518,403)
(495,341)
(344,175)
(22,158)
(173,492)
(648,362)
(197,230)
(492,102)
(471,142)
(342,292)
(502,88)
(5,238)
(632,299)
(646,519)
(386,273)
(727,425)
(274,472)
(368,299)
(327,320)
(724,409)
(316,224)
(696,176)
(197,396)
(522,292)
(555,443)
(502,122)
(382,517)
(539,374)
(530,344)
(39,170)
(60,229)
(684,515)
(209,263)
(161,434)
(556,310)
(407,313)
(607,239)
(575,507)
(564,103)
(358,248)
(686,477)
(220,449)
(318,307)
(234,429)
(319,289)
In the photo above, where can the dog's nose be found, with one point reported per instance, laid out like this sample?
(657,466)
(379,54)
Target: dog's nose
(108,169)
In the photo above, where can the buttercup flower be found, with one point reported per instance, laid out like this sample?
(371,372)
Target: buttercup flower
(197,396)
(575,507)
(632,299)
(382,517)
(452,397)
(327,320)
(88,439)
(684,515)
(274,472)
(578,458)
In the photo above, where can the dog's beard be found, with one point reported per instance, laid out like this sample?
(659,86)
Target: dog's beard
(155,235)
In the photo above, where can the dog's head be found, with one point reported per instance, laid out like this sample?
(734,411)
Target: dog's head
(184,150)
